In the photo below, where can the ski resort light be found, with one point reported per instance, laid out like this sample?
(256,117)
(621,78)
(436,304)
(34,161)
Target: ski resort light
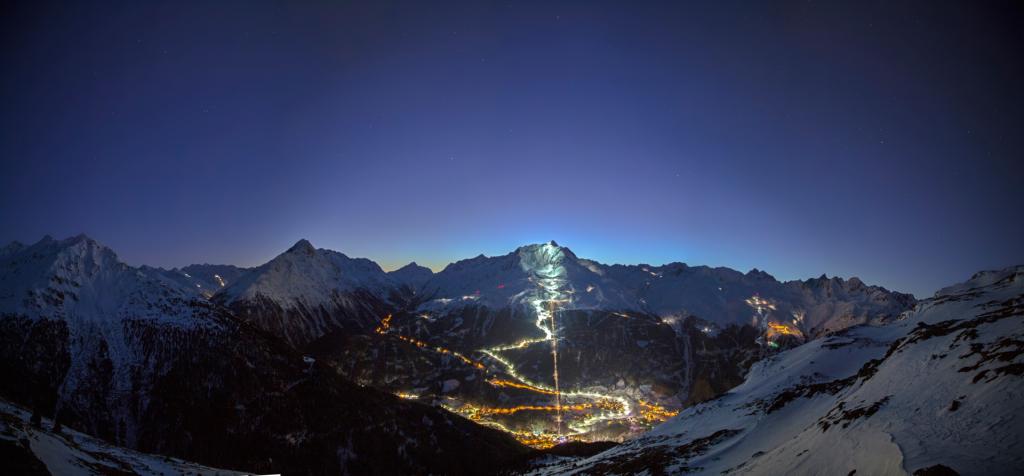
(509,383)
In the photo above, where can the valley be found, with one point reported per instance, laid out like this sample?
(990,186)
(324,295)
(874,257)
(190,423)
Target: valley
(535,350)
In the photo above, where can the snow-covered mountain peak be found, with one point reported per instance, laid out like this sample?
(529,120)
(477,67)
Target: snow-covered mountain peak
(56,264)
(87,250)
(982,279)
(83,283)
(412,275)
(302,246)
(545,259)
(513,278)
(305,293)
(413,267)
(306,273)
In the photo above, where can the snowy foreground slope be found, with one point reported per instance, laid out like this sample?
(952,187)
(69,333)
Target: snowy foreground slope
(31,450)
(940,386)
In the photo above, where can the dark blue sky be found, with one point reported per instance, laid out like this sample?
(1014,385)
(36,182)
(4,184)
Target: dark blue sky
(881,140)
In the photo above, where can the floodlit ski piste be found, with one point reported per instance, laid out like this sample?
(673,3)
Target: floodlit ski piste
(550,294)
(574,413)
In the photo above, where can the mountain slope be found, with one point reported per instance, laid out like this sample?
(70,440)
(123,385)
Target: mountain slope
(720,295)
(305,293)
(204,279)
(510,280)
(939,388)
(412,275)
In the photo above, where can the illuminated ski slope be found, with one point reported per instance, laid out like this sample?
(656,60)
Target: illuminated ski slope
(575,413)
(545,300)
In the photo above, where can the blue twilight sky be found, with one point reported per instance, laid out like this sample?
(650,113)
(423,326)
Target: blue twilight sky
(873,139)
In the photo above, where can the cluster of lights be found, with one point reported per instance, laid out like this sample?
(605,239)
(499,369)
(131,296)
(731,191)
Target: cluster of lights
(653,413)
(759,304)
(599,408)
(385,327)
(778,328)
(587,408)
(509,383)
(476,412)
(536,439)
(772,329)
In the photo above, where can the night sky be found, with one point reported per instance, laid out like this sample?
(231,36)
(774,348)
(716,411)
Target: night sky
(879,140)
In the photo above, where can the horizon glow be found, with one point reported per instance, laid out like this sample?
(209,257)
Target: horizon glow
(877,141)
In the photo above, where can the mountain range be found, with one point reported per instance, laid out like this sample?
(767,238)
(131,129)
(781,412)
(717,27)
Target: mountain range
(135,358)
(318,363)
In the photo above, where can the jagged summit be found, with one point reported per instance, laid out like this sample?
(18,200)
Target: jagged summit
(550,244)
(540,257)
(80,238)
(306,292)
(302,246)
(413,267)
(75,259)
(304,271)
(80,288)
(412,275)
